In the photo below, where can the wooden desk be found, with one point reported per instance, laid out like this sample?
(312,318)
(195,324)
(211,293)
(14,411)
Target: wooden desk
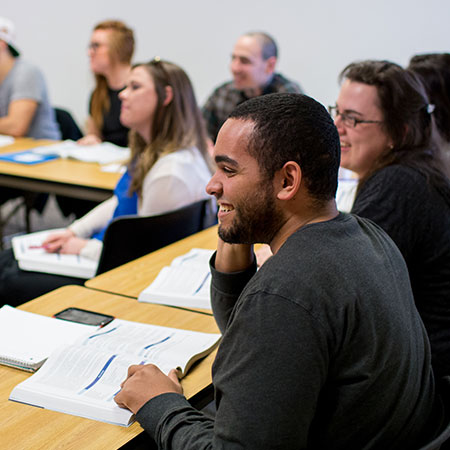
(133,277)
(60,176)
(28,427)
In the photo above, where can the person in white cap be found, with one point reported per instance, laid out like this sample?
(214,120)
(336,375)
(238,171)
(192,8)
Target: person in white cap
(25,108)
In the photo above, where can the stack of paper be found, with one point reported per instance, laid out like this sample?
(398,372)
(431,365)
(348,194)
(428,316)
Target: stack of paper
(104,153)
(186,282)
(30,255)
(6,140)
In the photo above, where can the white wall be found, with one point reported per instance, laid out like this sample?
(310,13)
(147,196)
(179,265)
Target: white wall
(316,38)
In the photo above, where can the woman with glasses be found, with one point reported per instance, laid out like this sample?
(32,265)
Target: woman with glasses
(110,52)
(388,138)
(169,168)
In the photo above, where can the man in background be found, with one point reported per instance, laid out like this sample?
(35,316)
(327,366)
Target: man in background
(253,64)
(25,109)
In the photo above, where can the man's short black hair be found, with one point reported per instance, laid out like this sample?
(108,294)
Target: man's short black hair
(294,127)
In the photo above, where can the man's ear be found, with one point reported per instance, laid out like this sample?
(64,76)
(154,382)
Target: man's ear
(169,95)
(270,64)
(288,180)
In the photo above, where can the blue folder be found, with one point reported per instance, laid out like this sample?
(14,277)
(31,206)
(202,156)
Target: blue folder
(26,157)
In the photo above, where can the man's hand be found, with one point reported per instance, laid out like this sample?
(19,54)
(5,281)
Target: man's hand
(143,383)
(233,257)
(263,254)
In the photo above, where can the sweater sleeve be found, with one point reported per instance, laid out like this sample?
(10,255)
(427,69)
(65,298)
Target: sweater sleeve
(393,198)
(225,291)
(258,404)
(94,220)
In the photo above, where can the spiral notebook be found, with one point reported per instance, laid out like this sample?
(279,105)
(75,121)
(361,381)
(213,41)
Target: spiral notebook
(28,339)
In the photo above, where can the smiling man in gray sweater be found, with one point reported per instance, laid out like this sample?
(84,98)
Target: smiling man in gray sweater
(322,347)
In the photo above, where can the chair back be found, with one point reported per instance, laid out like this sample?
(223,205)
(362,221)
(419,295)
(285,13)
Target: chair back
(130,237)
(67,125)
(439,442)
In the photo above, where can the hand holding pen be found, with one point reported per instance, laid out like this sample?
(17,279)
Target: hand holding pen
(64,242)
(56,241)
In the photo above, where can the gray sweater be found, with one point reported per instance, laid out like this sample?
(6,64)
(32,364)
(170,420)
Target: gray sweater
(322,348)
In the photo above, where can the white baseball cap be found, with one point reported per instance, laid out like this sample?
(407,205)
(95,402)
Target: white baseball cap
(7,34)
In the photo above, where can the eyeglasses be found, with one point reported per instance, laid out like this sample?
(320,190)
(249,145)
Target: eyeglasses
(347,119)
(94,46)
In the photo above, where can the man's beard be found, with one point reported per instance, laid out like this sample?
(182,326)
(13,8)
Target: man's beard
(256,220)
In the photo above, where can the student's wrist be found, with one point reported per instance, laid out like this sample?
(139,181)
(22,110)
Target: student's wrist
(233,257)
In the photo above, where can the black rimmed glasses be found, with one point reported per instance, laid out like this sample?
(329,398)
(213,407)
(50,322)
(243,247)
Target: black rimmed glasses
(347,119)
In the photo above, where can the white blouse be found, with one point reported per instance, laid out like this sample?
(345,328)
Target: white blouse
(175,180)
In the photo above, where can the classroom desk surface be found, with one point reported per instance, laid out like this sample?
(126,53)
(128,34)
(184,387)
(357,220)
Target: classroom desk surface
(59,176)
(133,277)
(28,427)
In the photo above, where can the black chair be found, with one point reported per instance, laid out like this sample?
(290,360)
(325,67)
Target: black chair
(442,440)
(67,125)
(130,237)
(70,130)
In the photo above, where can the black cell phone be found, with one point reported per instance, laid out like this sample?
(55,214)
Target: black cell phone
(84,316)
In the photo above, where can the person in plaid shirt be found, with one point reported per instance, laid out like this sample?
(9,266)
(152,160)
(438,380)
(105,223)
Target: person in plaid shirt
(253,68)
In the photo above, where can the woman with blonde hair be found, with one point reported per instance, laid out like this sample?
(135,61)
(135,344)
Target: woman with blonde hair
(169,168)
(110,52)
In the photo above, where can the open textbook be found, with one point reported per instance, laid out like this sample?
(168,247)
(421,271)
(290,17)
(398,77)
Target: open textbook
(82,379)
(31,256)
(186,282)
(103,153)
(28,339)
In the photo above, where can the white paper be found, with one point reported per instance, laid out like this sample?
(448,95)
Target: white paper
(104,153)
(31,256)
(6,140)
(29,338)
(186,282)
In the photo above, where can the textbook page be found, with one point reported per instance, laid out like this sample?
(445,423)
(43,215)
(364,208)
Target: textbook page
(84,378)
(27,339)
(31,256)
(186,282)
